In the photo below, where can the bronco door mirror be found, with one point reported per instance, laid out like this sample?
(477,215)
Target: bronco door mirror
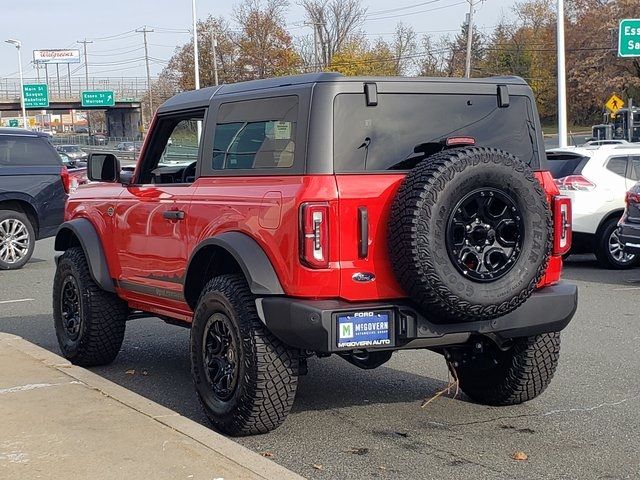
(103,167)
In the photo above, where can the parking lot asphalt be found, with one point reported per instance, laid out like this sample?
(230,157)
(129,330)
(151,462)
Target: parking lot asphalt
(349,423)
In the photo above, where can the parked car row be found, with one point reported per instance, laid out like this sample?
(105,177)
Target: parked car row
(596,178)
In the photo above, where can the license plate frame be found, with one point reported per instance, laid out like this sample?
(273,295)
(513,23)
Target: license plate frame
(365,331)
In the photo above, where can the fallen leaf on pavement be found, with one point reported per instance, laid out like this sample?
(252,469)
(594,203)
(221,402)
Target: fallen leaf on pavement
(318,466)
(266,454)
(130,372)
(382,467)
(520,456)
(357,451)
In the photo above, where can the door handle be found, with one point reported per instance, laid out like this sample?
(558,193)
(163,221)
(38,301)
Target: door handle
(173,214)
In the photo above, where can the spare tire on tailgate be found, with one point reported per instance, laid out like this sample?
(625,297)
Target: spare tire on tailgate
(470,234)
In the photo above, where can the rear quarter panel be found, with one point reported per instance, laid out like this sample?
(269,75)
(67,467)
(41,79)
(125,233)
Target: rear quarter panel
(40,186)
(267,209)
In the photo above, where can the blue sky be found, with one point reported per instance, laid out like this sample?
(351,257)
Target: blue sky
(118,51)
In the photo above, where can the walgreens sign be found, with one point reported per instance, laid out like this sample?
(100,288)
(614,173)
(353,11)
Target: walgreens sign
(56,56)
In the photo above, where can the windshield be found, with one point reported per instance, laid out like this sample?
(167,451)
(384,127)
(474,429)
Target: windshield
(405,128)
(70,148)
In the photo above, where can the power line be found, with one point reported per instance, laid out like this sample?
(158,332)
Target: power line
(415,13)
(391,10)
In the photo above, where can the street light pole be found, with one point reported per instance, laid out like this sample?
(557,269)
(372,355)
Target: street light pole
(18,44)
(562,87)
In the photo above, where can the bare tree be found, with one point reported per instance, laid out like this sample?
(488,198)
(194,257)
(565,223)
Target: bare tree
(404,48)
(334,22)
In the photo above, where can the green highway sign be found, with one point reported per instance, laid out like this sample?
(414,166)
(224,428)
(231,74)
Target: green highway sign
(629,38)
(36,95)
(98,98)
(13,123)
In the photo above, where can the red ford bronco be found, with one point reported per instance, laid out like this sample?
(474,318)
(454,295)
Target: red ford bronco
(321,214)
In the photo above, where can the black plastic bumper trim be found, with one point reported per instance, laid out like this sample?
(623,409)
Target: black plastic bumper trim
(309,324)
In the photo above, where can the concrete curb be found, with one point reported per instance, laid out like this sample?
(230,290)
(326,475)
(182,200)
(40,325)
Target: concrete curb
(203,435)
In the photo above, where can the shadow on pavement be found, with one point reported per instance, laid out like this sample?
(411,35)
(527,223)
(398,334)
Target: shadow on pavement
(585,268)
(154,362)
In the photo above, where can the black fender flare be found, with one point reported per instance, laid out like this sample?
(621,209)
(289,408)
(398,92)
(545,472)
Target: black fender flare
(90,242)
(248,254)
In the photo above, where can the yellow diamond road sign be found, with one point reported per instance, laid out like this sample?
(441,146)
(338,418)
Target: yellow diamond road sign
(614,104)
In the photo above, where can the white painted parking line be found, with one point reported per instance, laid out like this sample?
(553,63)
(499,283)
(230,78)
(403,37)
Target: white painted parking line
(16,301)
(625,289)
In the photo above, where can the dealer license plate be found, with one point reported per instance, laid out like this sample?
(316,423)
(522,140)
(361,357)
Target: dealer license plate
(363,329)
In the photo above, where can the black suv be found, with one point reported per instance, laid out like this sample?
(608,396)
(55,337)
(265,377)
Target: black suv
(33,190)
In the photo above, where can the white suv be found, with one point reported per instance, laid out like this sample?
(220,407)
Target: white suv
(597,178)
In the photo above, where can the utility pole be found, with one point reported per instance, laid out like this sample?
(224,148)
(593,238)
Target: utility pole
(562,87)
(196,62)
(214,44)
(86,78)
(144,31)
(467,67)
(316,51)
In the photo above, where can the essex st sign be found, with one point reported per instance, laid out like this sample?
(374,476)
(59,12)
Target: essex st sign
(629,38)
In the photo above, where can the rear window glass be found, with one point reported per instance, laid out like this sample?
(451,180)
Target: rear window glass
(563,164)
(402,127)
(16,151)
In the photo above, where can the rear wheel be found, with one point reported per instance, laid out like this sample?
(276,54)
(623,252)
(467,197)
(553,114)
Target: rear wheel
(514,376)
(17,239)
(245,377)
(609,251)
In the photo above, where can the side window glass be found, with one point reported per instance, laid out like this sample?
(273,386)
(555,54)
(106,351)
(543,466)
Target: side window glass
(256,134)
(618,165)
(172,153)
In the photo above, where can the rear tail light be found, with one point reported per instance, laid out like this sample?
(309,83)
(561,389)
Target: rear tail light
(561,225)
(561,209)
(66,181)
(314,233)
(632,197)
(575,183)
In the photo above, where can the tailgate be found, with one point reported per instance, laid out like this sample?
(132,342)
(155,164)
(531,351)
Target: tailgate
(364,206)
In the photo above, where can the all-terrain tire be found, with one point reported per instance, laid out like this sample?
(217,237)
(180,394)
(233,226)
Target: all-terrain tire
(515,376)
(94,335)
(606,258)
(420,219)
(267,369)
(12,219)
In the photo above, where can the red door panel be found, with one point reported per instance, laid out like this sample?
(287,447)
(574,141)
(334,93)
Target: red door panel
(153,250)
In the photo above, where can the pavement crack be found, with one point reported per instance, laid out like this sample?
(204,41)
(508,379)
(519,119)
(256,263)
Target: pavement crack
(559,411)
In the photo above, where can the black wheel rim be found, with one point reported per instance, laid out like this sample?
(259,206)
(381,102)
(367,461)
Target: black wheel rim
(221,356)
(485,233)
(70,307)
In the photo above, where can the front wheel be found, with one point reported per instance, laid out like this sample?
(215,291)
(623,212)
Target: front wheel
(514,376)
(245,377)
(609,249)
(89,321)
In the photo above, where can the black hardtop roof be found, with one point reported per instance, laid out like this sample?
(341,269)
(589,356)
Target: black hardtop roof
(202,97)
(21,132)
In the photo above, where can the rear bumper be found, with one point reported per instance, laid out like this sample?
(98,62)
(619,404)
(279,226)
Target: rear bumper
(312,324)
(629,235)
